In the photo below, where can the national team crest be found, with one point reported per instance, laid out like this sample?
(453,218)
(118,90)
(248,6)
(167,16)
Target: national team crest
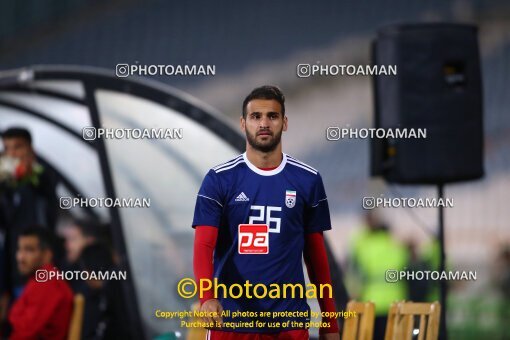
(290,198)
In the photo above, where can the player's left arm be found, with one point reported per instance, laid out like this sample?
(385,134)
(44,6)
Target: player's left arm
(317,265)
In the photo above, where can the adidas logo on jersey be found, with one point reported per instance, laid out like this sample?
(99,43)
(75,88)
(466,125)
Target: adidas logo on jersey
(242,198)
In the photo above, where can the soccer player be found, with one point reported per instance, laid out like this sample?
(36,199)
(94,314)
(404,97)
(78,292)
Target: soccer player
(267,187)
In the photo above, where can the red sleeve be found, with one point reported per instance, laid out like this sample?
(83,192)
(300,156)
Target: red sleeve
(32,312)
(318,271)
(203,268)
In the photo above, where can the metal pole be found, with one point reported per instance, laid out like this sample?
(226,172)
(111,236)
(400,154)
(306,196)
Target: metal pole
(443,335)
(132,313)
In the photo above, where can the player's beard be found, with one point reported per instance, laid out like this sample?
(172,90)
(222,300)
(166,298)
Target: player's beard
(264,146)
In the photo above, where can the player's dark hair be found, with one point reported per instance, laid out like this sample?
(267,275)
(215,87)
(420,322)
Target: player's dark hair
(265,92)
(17,132)
(45,237)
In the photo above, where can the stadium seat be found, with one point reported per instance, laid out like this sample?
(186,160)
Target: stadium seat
(77,318)
(401,321)
(361,326)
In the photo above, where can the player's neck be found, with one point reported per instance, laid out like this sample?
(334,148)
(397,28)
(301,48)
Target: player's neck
(264,160)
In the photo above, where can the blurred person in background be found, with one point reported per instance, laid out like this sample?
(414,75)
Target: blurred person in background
(503,286)
(431,255)
(27,197)
(104,306)
(418,290)
(4,295)
(374,252)
(77,235)
(44,308)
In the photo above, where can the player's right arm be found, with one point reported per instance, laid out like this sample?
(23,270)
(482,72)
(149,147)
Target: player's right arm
(206,221)
(203,268)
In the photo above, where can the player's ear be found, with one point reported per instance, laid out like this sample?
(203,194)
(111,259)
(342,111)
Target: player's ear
(242,123)
(285,123)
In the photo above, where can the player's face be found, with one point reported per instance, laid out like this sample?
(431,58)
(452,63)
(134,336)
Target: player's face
(264,124)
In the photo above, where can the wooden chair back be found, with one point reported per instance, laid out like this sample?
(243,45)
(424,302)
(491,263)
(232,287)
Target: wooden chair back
(361,325)
(402,317)
(76,318)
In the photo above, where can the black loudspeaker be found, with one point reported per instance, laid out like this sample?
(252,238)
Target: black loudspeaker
(437,88)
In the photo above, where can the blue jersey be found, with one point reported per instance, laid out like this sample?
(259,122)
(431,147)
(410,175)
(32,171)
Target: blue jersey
(290,200)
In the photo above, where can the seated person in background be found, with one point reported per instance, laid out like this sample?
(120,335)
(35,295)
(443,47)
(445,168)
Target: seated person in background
(43,310)
(78,235)
(104,306)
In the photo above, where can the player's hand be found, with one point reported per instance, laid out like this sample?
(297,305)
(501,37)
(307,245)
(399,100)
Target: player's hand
(209,307)
(329,336)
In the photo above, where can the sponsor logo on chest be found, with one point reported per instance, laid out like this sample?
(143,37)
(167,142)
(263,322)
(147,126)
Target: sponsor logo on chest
(253,239)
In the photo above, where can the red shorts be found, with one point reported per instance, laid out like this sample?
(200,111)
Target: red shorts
(295,334)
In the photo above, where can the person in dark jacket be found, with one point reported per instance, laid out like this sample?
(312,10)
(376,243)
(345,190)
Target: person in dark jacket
(104,305)
(27,198)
